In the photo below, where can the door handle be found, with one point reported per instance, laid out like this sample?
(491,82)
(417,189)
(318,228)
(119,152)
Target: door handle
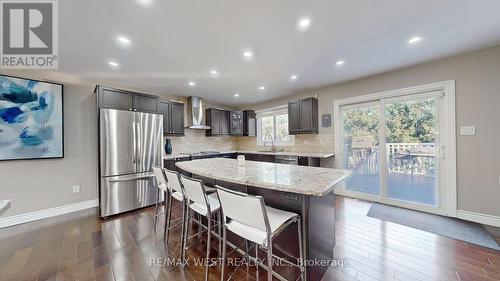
(139,145)
(131,178)
(441,152)
(134,142)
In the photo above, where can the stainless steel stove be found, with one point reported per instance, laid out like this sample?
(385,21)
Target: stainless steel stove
(204,154)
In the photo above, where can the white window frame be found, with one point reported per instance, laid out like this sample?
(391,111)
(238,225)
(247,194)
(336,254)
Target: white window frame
(275,111)
(448,182)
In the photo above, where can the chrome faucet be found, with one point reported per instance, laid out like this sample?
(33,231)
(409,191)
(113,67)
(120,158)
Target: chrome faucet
(269,138)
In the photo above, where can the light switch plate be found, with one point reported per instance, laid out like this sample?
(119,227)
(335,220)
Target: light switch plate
(76,189)
(468,130)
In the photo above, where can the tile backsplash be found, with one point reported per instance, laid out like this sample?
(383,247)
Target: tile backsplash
(302,143)
(195,141)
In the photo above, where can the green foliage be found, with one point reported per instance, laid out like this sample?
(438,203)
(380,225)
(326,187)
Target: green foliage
(361,122)
(406,122)
(411,121)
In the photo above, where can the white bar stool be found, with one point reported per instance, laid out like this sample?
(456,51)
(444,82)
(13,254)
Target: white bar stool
(252,220)
(205,205)
(162,188)
(175,191)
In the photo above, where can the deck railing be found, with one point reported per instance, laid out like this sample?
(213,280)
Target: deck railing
(402,158)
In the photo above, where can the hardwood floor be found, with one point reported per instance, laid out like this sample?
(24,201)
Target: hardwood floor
(79,246)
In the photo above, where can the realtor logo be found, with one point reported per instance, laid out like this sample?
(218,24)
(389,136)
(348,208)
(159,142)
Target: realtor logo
(29,34)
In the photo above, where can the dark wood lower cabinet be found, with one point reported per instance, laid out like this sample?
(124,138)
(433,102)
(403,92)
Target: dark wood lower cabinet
(309,161)
(170,165)
(259,157)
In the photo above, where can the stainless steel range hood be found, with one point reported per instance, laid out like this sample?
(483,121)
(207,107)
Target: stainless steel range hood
(196,113)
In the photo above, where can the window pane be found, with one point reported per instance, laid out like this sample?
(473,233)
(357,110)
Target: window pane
(411,128)
(267,128)
(282,128)
(361,148)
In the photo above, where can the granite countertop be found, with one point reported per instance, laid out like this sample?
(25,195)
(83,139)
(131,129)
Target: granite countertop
(288,153)
(176,155)
(290,178)
(4,205)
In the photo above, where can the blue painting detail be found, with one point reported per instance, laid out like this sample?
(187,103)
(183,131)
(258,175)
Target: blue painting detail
(31,119)
(11,114)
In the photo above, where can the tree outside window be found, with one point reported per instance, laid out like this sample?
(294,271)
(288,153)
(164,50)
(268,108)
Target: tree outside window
(273,126)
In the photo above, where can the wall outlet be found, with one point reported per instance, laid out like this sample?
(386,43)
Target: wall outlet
(76,189)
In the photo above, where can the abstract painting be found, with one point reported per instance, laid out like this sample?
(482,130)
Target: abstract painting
(31,119)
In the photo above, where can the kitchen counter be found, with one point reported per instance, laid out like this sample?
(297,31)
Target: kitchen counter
(287,153)
(176,155)
(304,190)
(282,177)
(4,205)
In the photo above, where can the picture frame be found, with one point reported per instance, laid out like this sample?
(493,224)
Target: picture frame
(31,119)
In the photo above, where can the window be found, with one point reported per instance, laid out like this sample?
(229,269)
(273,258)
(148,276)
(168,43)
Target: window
(272,126)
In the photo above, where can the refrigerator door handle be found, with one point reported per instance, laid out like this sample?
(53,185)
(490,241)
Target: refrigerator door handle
(134,142)
(129,178)
(139,145)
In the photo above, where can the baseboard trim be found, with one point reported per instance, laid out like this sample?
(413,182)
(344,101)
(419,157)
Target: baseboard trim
(479,218)
(47,213)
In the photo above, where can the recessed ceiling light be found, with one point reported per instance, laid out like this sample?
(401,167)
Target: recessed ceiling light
(113,64)
(262,88)
(414,40)
(236,95)
(248,54)
(304,23)
(123,40)
(192,83)
(293,77)
(214,73)
(145,2)
(340,62)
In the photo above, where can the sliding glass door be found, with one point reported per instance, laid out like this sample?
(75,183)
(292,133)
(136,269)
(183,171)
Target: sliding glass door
(393,147)
(411,128)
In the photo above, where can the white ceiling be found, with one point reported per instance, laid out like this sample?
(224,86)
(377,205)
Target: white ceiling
(176,41)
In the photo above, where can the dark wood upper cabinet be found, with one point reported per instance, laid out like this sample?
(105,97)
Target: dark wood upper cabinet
(145,103)
(212,120)
(115,99)
(177,117)
(218,120)
(236,121)
(249,123)
(173,117)
(164,109)
(126,100)
(225,128)
(303,116)
(293,117)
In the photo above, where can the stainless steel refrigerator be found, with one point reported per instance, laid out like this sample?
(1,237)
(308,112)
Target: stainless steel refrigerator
(130,145)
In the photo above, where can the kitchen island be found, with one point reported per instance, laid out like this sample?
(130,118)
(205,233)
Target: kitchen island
(307,191)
